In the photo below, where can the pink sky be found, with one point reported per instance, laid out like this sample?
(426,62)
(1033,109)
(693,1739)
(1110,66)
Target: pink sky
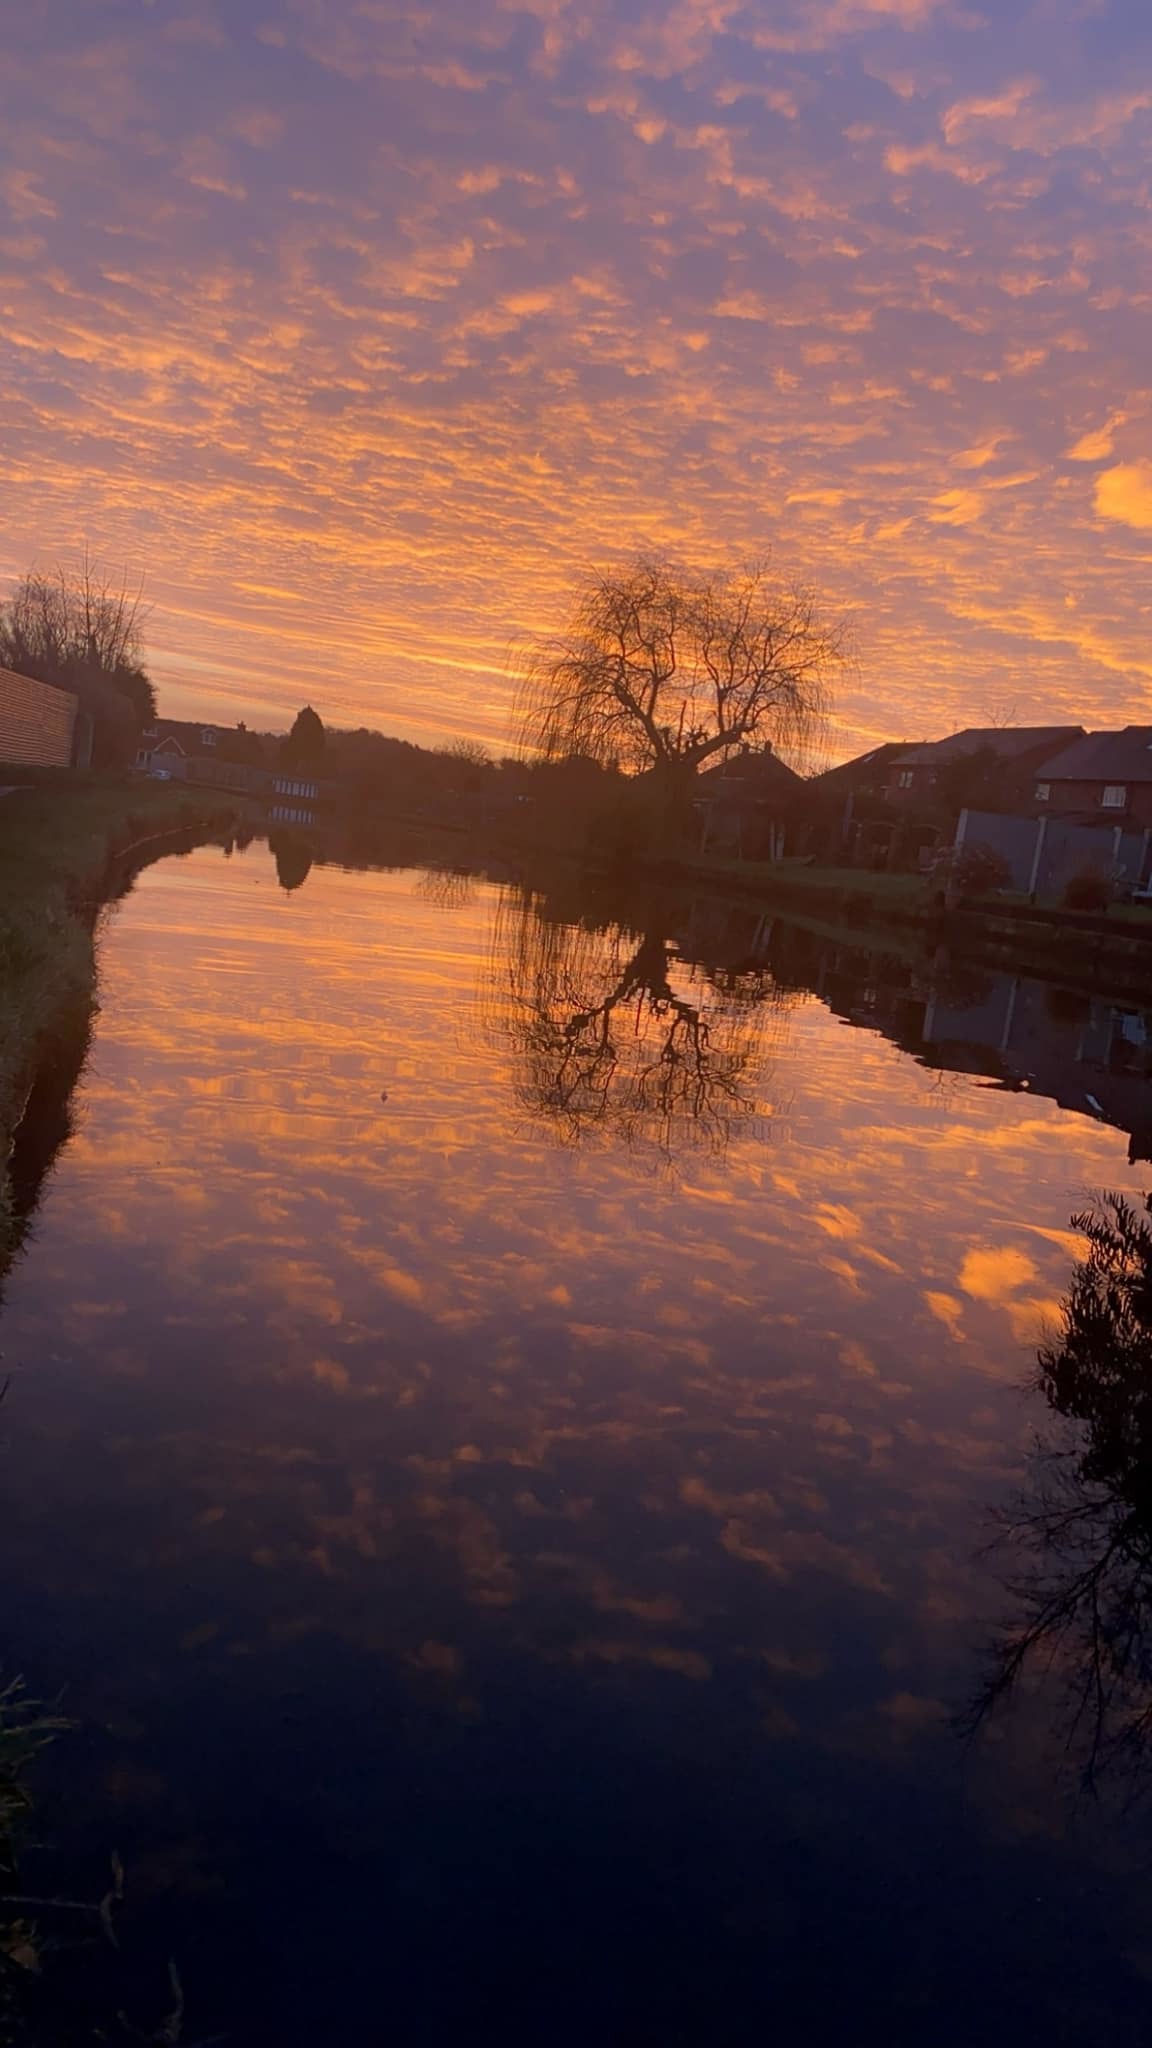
(361,332)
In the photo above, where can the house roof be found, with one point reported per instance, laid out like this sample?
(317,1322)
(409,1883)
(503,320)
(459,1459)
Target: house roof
(762,773)
(1105,757)
(185,733)
(862,768)
(1006,742)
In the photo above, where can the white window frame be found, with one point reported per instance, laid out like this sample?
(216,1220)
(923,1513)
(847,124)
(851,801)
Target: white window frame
(1115,796)
(906,778)
(1043,792)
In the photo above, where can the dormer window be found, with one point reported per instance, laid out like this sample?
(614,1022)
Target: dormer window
(1115,796)
(208,736)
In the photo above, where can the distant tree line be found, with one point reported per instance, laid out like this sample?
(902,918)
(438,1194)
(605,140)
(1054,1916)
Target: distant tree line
(661,674)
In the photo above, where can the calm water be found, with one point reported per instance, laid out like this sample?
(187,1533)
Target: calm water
(505,1430)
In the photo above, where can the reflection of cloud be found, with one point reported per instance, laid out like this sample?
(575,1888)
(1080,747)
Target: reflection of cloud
(994,1274)
(633,1406)
(948,1311)
(661,1656)
(1080,1551)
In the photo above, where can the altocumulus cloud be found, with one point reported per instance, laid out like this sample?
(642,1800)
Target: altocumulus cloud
(362,332)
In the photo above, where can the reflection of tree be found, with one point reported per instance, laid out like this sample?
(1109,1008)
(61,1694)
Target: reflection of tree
(1084,1533)
(447,888)
(614,1033)
(293,859)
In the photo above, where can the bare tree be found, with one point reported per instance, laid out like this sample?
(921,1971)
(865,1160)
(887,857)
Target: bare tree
(668,672)
(57,625)
(473,753)
(83,631)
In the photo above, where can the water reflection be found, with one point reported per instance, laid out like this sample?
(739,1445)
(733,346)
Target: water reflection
(616,1033)
(1081,1537)
(45,1127)
(293,857)
(514,1536)
(1084,1049)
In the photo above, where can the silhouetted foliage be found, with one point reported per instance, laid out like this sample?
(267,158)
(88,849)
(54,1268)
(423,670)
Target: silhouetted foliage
(304,745)
(293,857)
(84,633)
(979,870)
(1089,889)
(1083,1534)
(663,672)
(967,780)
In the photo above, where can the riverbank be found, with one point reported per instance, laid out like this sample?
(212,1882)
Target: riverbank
(61,845)
(1087,949)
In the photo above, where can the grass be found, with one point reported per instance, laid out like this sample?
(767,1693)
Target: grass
(898,891)
(58,839)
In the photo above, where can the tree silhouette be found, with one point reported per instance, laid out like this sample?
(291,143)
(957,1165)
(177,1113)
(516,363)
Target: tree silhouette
(293,857)
(1082,1535)
(667,672)
(304,746)
(82,631)
(614,1034)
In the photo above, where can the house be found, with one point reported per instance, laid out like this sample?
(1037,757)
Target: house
(988,766)
(1102,776)
(168,741)
(746,805)
(845,809)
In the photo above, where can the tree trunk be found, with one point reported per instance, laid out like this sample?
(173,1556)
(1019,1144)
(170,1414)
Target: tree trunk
(673,785)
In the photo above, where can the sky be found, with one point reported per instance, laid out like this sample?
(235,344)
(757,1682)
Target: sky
(361,333)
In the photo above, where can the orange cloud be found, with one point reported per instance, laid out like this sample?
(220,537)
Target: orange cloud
(1125,494)
(418,339)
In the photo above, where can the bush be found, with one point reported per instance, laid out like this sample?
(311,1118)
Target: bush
(1089,889)
(979,870)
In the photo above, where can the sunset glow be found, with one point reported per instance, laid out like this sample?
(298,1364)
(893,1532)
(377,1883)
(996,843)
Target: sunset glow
(360,332)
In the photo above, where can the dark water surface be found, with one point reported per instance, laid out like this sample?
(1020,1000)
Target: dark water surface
(516,1549)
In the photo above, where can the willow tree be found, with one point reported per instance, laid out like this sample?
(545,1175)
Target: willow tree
(664,672)
(616,1034)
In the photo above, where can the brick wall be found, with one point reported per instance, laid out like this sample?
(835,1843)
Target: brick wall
(37,722)
(1087,798)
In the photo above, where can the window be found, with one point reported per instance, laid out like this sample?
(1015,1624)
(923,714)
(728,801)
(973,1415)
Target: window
(1043,792)
(906,778)
(1115,796)
(208,736)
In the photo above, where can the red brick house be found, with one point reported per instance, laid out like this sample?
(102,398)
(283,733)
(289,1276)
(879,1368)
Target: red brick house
(986,766)
(1105,777)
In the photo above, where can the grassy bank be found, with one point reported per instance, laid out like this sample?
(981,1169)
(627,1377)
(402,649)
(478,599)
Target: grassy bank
(1112,946)
(60,847)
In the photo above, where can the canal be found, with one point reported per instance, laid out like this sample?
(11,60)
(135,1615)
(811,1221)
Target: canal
(529,1460)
